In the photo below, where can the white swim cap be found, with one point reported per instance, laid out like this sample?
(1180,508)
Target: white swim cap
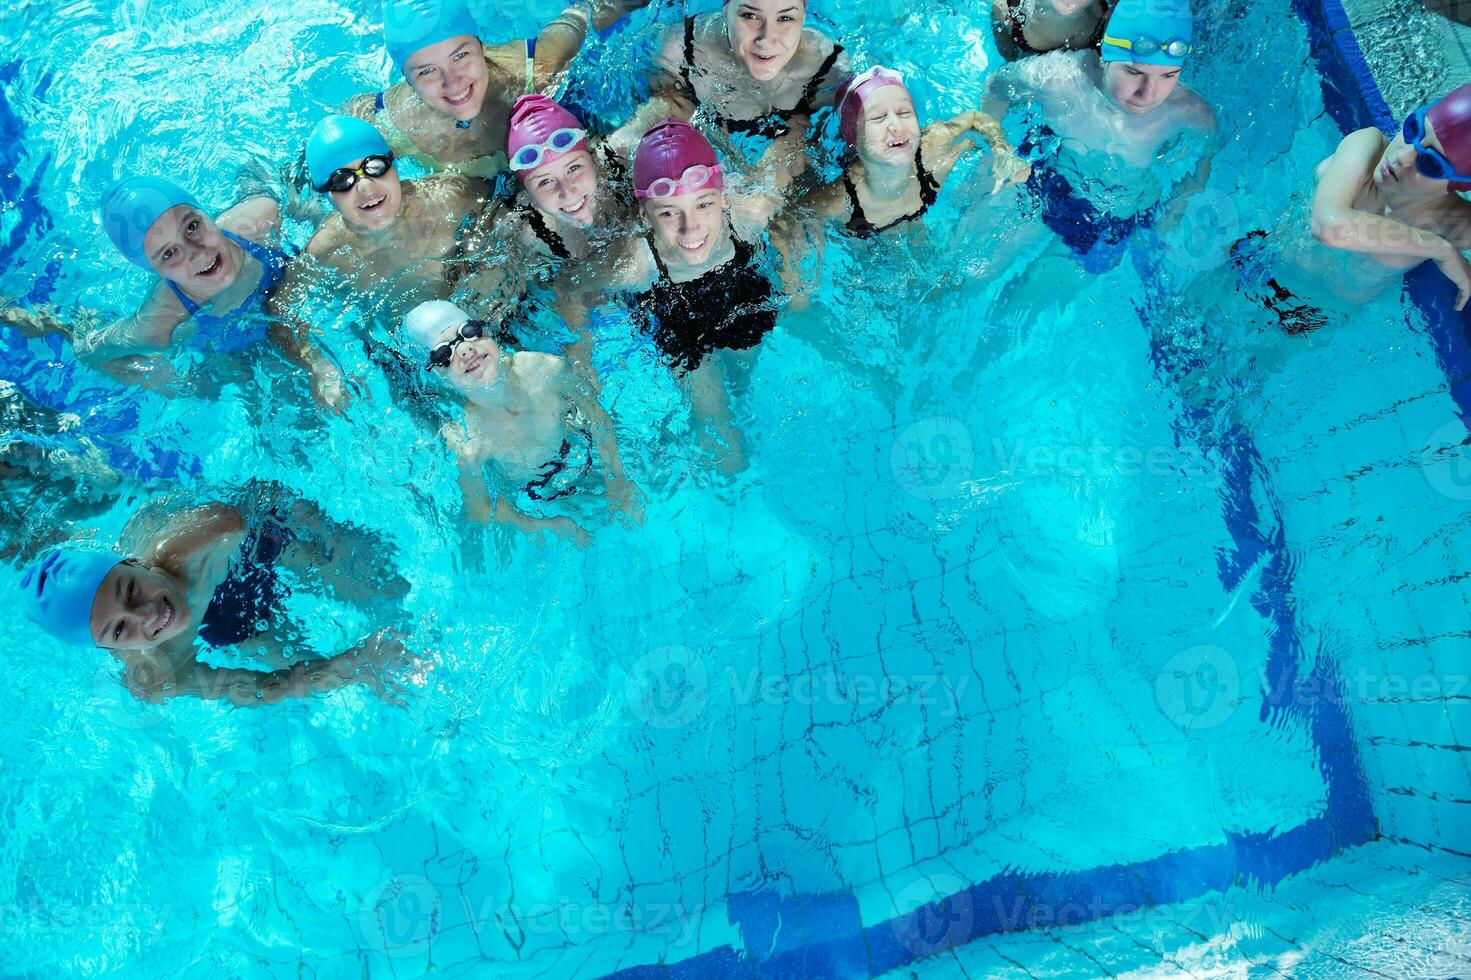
(427,321)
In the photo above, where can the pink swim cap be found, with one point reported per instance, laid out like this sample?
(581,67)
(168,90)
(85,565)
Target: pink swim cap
(855,92)
(1451,117)
(668,150)
(534,118)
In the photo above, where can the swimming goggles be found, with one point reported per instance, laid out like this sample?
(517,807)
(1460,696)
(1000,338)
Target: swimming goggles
(346,178)
(1430,162)
(1146,46)
(696,178)
(440,356)
(530,157)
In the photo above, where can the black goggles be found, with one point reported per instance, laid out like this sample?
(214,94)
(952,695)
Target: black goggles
(469,330)
(346,178)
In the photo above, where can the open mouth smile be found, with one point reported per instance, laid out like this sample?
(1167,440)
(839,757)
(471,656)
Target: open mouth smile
(213,267)
(163,618)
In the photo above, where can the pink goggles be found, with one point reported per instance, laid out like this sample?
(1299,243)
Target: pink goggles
(696,178)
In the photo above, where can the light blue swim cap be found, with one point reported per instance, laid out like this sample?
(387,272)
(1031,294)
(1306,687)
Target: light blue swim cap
(58,589)
(338,141)
(131,208)
(1161,21)
(412,25)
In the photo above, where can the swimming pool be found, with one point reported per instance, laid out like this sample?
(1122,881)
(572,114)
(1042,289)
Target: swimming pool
(1064,624)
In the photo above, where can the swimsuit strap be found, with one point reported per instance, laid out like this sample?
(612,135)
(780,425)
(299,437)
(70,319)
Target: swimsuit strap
(530,66)
(541,230)
(378,102)
(190,307)
(610,162)
(659,262)
(689,54)
(1018,18)
(804,105)
(858,222)
(929,187)
(273,263)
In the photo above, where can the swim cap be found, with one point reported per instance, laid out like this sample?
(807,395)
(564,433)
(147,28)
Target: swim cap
(1451,117)
(534,118)
(428,320)
(855,92)
(410,26)
(132,207)
(57,592)
(668,150)
(1159,20)
(338,141)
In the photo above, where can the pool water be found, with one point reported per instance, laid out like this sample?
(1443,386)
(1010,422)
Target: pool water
(1033,640)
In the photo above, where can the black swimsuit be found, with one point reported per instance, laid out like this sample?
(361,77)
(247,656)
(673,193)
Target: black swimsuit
(727,308)
(858,224)
(1017,18)
(777,122)
(252,592)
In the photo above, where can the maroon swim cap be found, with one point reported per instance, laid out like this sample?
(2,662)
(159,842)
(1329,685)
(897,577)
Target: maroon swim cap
(1451,117)
(668,150)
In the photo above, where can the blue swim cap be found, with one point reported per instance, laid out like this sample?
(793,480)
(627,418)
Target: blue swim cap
(1161,21)
(131,208)
(412,25)
(58,589)
(338,141)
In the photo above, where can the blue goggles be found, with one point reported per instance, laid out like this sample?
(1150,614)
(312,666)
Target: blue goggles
(1146,46)
(1431,163)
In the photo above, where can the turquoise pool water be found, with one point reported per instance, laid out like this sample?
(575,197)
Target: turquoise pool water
(1047,597)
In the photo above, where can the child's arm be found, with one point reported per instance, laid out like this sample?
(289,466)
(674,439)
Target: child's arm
(1337,224)
(943,147)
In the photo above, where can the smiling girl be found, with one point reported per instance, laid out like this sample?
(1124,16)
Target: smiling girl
(898,167)
(450,110)
(699,287)
(754,65)
(214,277)
(212,576)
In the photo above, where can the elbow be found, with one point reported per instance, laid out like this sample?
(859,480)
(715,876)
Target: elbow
(1335,231)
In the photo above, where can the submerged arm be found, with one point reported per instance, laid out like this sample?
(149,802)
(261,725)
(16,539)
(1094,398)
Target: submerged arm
(292,336)
(361,664)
